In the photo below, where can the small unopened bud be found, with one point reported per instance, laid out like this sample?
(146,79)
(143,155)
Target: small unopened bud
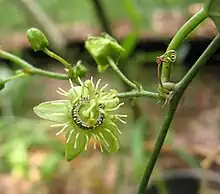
(79,70)
(103,47)
(37,39)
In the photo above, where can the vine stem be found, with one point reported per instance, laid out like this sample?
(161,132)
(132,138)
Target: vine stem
(135,93)
(121,75)
(180,88)
(29,69)
(58,58)
(178,39)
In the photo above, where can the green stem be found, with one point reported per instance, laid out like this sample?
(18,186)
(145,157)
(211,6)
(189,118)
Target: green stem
(28,68)
(121,75)
(37,71)
(181,86)
(178,39)
(8,56)
(58,58)
(132,94)
(159,143)
(211,49)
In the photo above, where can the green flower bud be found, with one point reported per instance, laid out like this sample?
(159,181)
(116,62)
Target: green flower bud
(79,70)
(103,47)
(2,84)
(37,39)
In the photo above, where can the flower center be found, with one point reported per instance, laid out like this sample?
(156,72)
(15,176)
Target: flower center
(83,122)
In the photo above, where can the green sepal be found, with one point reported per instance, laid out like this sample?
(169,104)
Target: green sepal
(72,152)
(79,70)
(103,47)
(56,111)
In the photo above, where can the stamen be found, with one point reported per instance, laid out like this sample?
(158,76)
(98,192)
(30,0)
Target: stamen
(103,94)
(100,145)
(75,144)
(104,138)
(62,130)
(63,91)
(71,84)
(97,85)
(122,121)
(83,89)
(116,108)
(92,82)
(62,94)
(90,108)
(106,85)
(70,135)
(108,95)
(107,130)
(58,125)
(94,146)
(123,116)
(116,128)
(87,142)
(80,82)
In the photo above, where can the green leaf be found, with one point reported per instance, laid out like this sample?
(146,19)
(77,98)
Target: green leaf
(213,7)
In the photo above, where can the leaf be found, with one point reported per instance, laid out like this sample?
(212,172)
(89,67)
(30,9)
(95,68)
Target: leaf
(213,7)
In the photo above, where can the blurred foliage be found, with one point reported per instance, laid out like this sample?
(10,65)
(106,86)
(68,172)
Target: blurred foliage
(137,11)
(19,134)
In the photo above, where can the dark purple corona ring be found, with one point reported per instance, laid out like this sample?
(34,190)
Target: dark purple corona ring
(79,122)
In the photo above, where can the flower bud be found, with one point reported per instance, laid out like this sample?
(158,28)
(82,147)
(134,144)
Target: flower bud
(37,39)
(103,47)
(79,70)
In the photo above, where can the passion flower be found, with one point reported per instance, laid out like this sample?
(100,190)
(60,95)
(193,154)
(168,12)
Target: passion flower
(88,112)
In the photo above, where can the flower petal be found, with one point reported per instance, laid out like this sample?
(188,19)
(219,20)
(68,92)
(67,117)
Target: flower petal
(109,140)
(76,145)
(56,111)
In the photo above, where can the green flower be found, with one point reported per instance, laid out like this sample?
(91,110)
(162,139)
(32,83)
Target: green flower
(103,47)
(88,112)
